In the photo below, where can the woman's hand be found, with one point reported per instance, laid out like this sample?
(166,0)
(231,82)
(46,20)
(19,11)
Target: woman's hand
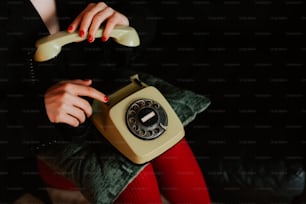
(64,104)
(91,18)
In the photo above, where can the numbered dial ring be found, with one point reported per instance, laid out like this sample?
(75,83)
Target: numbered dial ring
(146,119)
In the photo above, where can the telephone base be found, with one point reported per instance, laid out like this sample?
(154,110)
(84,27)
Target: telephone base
(138,121)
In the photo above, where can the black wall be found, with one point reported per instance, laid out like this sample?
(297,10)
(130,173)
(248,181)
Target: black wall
(249,58)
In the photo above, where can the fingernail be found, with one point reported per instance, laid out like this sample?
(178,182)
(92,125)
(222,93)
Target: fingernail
(70,28)
(106,98)
(104,39)
(90,38)
(81,33)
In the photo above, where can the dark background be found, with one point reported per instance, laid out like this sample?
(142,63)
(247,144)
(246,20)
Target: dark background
(248,57)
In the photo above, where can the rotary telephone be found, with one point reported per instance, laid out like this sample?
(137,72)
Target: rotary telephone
(138,121)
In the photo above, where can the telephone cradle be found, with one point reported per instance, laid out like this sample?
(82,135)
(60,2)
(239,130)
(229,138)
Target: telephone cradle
(138,121)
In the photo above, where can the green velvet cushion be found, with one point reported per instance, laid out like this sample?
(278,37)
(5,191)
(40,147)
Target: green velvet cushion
(186,103)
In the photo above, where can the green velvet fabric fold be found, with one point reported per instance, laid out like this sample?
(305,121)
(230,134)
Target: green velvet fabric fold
(186,103)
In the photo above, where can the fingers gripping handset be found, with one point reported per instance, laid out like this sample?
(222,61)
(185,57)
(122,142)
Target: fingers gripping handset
(50,46)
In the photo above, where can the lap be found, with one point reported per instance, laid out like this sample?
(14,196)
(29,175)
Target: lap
(94,166)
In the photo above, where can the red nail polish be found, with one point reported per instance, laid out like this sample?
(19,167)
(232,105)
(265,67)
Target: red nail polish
(104,39)
(81,33)
(106,99)
(90,38)
(70,28)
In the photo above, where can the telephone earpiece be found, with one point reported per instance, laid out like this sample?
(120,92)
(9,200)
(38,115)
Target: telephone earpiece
(50,46)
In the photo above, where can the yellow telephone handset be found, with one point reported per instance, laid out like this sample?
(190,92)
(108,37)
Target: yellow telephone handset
(50,46)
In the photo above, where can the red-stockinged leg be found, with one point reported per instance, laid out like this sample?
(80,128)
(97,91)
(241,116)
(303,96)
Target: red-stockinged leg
(142,190)
(180,177)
